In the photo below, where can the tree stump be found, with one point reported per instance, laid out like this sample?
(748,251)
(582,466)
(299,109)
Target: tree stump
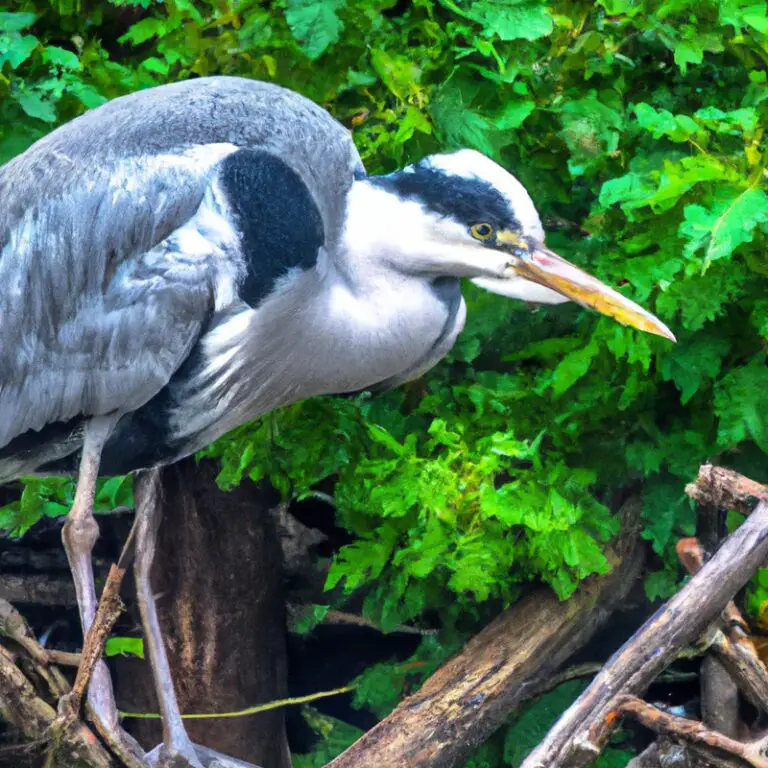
(217,579)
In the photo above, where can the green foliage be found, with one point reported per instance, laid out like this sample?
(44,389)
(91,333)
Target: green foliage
(638,127)
(335,736)
(757,598)
(124,646)
(532,724)
(53,497)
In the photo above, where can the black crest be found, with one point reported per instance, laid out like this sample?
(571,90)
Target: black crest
(468,200)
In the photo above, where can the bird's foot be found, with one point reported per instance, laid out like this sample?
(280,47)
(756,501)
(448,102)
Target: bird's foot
(203,757)
(174,757)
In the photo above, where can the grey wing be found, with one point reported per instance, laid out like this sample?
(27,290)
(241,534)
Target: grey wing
(99,302)
(105,273)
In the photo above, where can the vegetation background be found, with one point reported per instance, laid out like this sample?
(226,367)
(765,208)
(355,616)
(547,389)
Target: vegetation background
(639,128)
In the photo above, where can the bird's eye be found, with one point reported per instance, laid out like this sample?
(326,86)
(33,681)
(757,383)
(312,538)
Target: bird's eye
(482,231)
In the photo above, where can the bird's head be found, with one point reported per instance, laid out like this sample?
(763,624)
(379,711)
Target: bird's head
(462,215)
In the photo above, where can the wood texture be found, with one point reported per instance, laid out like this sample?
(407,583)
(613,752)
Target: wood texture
(217,579)
(20,705)
(583,730)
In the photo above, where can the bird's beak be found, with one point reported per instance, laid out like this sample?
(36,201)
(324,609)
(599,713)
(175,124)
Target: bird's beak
(535,262)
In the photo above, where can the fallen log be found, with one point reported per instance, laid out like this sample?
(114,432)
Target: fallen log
(582,732)
(506,664)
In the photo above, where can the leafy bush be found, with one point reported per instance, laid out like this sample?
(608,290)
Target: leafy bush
(638,127)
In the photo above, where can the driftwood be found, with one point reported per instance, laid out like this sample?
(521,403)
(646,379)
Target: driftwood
(720,487)
(581,733)
(500,668)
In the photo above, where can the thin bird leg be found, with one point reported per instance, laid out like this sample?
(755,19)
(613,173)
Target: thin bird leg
(79,536)
(178,750)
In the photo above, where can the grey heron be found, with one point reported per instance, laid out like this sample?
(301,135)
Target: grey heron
(187,258)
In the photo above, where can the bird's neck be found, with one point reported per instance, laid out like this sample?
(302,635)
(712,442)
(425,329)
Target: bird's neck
(378,232)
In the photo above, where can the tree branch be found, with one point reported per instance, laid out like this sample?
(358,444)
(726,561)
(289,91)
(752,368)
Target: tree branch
(583,730)
(662,722)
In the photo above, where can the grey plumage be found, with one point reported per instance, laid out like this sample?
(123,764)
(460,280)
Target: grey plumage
(100,301)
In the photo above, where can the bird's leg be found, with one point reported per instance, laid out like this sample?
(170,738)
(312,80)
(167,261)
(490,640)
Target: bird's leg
(178,751)
(79,536)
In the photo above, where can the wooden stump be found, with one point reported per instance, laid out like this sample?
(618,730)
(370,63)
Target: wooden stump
(217,580)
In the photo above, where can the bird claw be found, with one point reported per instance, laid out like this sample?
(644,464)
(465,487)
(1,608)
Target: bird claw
(204,758)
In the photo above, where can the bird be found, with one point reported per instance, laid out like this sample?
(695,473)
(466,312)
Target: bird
(184,259)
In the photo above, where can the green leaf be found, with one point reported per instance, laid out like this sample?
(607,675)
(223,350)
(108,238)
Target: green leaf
(661,122)
(308,618)
(513,19)
(16,49)
(38,106)
(664,507)
(315,24)
(573,367)
(513,114)
(532,725)
(689,364)
(124,646)
(400,74)
(144,30)
(661,585)
(591,130)
(60,57)
(16,22)
(722,228)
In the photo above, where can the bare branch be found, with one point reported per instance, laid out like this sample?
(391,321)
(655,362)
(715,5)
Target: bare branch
(583,730)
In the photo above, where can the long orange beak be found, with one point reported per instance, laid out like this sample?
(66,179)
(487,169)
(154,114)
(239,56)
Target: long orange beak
(535,262)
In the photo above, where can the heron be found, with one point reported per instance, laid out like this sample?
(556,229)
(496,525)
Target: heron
(184,259)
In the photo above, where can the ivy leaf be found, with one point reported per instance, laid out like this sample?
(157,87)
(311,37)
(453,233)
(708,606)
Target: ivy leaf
(729,223)
(315,24)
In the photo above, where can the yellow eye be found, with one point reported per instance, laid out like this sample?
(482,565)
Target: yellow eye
(481,231)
